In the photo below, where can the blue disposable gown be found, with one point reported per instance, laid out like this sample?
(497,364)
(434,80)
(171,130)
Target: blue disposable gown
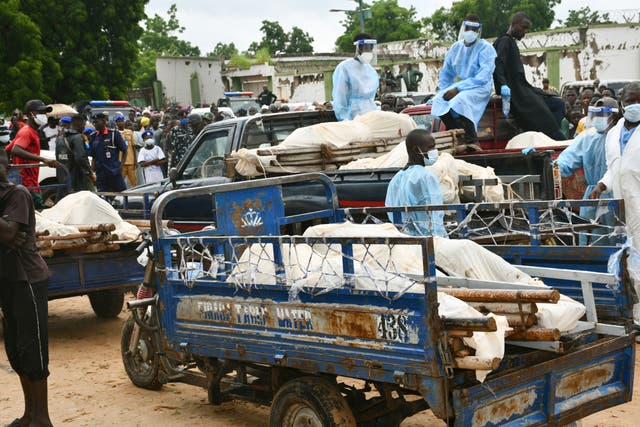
(470,69)
(588,152)
(354,87)
(416,186)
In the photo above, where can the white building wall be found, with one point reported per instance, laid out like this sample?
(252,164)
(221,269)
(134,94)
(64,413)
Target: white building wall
(175,74)
(604,52)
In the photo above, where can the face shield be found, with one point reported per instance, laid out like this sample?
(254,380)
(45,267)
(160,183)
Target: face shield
(599,117)
(470,32)
(367,51)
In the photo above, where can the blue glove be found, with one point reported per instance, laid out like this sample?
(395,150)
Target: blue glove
(526,150)
(505,91)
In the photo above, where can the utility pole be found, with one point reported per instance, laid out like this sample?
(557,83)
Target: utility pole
(361,16)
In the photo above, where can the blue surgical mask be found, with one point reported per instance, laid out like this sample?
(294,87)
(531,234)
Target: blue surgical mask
(469,37)
(431,157)
(632,113)
(600,124)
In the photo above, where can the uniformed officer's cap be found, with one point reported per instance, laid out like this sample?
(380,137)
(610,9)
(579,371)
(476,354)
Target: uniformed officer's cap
(38,106)
(103,116)
(118,118)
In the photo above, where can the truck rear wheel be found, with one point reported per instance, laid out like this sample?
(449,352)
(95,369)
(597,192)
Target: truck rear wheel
(107,304)
(142,364)
(310,401)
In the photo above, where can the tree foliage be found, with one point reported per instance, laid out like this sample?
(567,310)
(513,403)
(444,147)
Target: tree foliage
(161,38)
(389,22)
(90,46)
(584,17)
(276,41)
(21,58)
(223,50)
(299,41)
(495,15)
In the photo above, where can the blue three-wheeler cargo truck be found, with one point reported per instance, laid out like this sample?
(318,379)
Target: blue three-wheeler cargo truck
(333,354)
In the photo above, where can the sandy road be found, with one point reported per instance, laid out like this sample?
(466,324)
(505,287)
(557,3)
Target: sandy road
(88,385)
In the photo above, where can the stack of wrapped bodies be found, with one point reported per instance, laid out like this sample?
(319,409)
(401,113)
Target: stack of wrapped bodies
(542,314)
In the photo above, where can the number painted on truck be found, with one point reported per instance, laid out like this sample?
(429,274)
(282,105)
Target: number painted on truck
(393,327)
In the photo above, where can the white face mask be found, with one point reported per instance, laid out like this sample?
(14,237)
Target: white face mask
(632,113)
(469,37)
(366,57)
(600,124)
(431,157)
(40,119)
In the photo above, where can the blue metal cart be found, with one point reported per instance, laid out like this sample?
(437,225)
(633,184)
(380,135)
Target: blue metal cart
(295,350)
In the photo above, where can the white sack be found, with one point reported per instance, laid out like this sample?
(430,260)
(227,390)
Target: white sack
(534,139)
(490,193)
(86,208)
(373,126)
(250,163)
(55,229)
(465,258)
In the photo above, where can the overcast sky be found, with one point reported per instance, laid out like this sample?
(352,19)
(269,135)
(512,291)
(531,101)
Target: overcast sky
(207,23)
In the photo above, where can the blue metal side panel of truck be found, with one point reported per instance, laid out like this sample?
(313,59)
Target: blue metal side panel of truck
(82,273)
(555,392)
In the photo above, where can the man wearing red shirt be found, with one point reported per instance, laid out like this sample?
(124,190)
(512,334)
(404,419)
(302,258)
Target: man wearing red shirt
(25,147)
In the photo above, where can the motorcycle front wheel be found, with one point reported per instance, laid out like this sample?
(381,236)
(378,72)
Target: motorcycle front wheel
(141,364)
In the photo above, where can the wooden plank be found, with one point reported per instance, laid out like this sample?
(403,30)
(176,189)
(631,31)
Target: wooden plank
(476,363)
(480,324)
(534,334)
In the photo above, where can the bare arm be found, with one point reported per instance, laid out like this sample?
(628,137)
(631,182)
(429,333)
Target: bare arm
(24,154)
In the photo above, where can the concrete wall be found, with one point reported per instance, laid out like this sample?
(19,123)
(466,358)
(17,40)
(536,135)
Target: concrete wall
(175,74)
(604,52)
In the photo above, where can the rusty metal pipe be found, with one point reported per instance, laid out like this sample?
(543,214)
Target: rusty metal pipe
(480,324)
(503,295)
(476,363)
(499,307)
(535,334)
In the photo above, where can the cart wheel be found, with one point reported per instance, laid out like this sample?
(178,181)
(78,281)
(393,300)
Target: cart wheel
(107,304)
(310,401)
(142,364)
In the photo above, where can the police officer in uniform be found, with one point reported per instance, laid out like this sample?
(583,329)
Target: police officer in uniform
(71,152)
(105,146)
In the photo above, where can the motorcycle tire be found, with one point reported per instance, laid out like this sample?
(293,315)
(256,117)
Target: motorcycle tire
(142,366)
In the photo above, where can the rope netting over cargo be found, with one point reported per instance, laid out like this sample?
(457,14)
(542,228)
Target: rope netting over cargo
(562,223)
(312,265)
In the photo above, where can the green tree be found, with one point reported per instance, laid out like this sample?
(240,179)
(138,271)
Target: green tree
(92,44)
(223,50)
(161,38)
(274,38)
(388,22)
(299,41)
(21,58)
(584,17)
(495,15)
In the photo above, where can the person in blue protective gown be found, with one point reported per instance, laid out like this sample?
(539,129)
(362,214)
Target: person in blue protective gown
(416,186)
(466,80)
(355,82)
(589,153)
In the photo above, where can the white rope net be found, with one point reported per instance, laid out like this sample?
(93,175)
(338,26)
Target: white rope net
(556,223)
(311,265)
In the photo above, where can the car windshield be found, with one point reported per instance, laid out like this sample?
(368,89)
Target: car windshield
(246,103)
(208,159)
(424,121)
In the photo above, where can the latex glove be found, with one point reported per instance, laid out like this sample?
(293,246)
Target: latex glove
(527,150)
(505,91)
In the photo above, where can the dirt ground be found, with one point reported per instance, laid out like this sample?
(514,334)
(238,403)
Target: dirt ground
(88,385)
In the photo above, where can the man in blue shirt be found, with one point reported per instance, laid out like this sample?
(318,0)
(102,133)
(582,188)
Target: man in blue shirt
(355,82)
(588,152)
(106,146)
(416,186)
(466,80)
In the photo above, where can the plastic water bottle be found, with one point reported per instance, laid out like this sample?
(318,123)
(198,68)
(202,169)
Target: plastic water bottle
(506,105)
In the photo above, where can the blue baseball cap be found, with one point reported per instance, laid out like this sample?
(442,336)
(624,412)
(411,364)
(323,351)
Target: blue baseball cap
(65,119)
(147,133)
